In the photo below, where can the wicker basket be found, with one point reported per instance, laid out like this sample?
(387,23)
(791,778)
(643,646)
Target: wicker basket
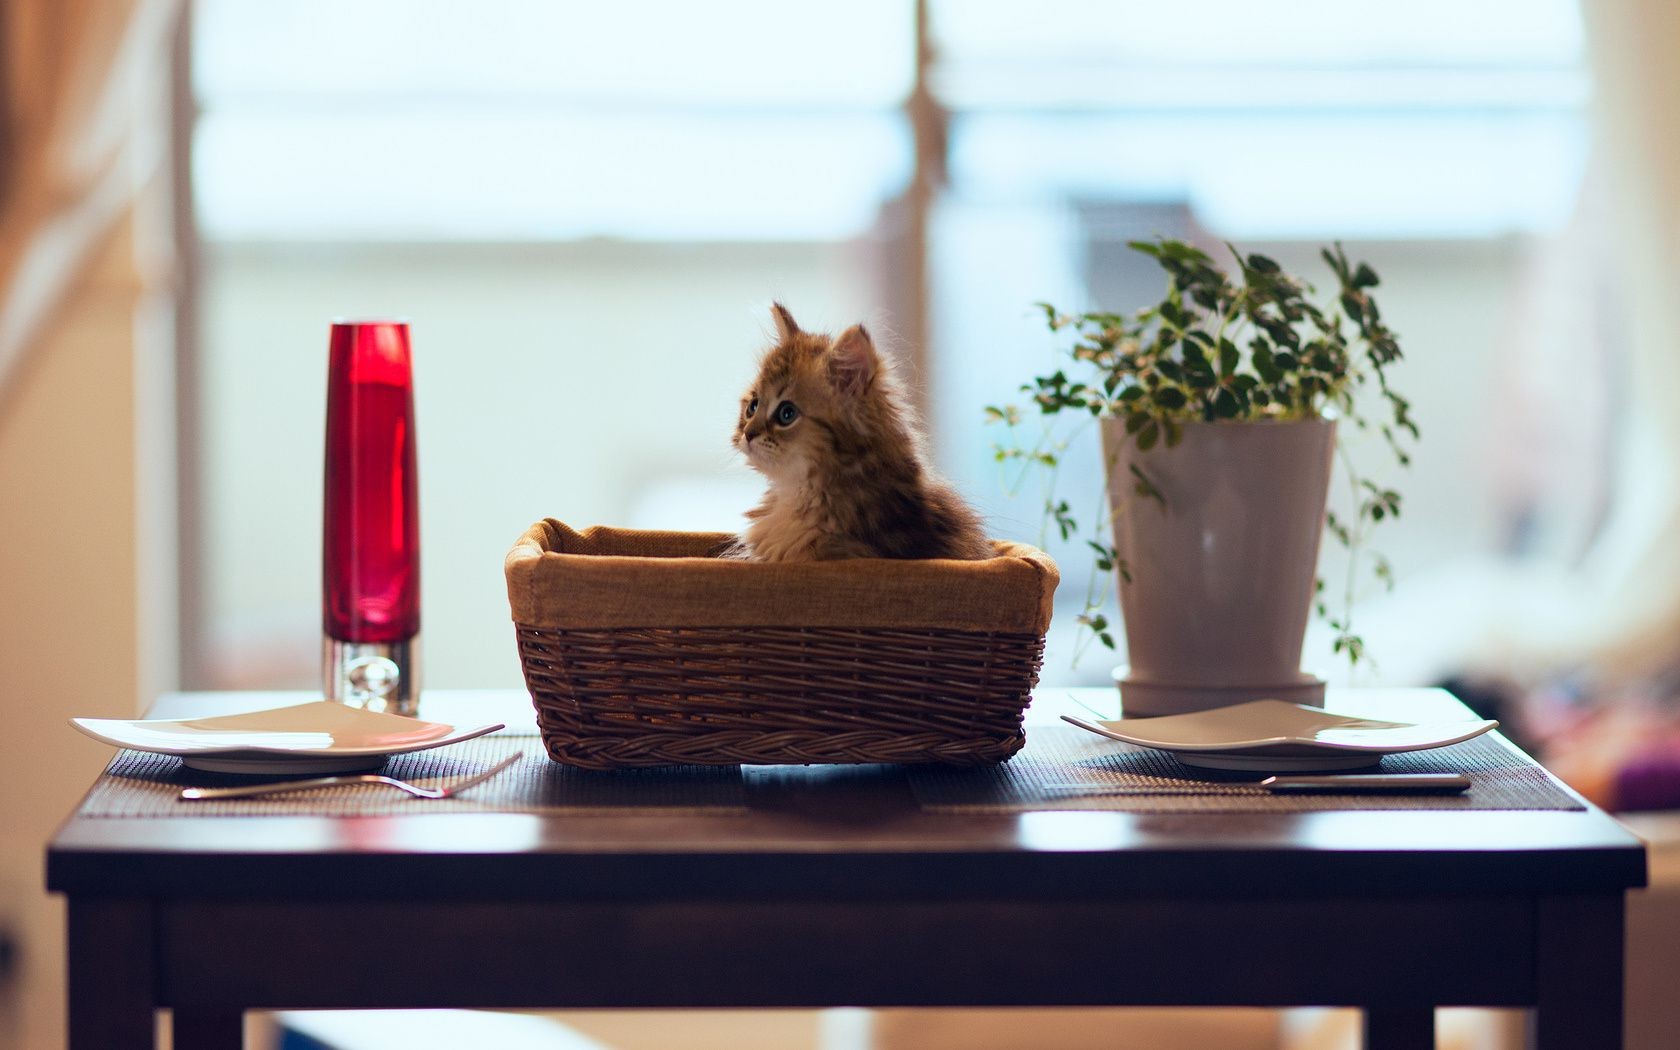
(645,649)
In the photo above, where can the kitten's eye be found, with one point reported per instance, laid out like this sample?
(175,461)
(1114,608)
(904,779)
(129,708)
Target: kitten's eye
(786,413)
(752,406)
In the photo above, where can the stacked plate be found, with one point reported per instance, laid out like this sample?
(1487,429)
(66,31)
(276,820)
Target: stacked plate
(319,737)
(1274,736)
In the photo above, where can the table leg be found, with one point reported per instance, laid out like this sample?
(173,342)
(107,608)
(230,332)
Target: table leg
(197,1028)
(111,949)
(1400,1028)
(1578,973)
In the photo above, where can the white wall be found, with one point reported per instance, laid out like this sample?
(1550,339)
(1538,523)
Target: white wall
(69,605)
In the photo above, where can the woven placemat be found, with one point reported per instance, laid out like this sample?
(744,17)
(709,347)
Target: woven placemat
(1059,761)
(139,784)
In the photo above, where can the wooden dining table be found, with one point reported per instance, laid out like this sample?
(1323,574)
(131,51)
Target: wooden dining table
(833,886)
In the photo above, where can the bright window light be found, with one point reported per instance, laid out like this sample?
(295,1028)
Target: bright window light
(739,120)
(1351,118)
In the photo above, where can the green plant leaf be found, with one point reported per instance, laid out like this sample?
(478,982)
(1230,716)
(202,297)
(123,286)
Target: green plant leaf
(1229,356)
(1169,397)
(1061,515)
(1225,404)
(1383,570)
(1337,262)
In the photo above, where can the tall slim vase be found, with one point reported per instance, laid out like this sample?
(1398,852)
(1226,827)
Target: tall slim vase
(370,603)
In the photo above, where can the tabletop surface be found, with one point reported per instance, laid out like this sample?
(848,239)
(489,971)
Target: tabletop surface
(843,833)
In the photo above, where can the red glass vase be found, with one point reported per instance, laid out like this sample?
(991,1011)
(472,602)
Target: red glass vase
(370,603)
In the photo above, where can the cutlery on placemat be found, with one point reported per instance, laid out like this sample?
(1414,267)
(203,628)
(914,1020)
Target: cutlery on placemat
(1363,783)
(448,790)
(1352,783)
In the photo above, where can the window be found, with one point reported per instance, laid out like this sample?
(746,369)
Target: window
(584,222)
(1444,142)
(585,219)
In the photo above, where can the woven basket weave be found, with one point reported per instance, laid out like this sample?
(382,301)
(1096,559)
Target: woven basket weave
(645,649)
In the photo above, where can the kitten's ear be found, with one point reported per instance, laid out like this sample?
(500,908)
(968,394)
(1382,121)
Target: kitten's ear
(852,363)
(786,326)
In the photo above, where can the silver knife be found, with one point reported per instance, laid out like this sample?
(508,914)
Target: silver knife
(1392,783)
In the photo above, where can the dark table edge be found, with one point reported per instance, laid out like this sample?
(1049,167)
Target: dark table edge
(848,876)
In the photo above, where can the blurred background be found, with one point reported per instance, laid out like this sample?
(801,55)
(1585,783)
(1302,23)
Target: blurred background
(584,210)
(585,224)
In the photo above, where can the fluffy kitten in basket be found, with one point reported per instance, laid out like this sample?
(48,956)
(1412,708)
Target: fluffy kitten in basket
(825,424)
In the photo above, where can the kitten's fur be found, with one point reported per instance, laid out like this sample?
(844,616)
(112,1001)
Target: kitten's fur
(825,423)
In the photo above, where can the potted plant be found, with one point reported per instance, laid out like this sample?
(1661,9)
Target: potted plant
(1218,409)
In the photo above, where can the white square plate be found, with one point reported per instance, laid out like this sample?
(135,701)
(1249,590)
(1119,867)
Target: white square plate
(1272,735)
(319,737)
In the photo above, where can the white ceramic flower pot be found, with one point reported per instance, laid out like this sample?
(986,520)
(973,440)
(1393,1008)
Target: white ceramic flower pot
(1222,574)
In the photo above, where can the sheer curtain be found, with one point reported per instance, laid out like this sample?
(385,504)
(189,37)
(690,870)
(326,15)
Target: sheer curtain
(81,136)
(1635,564)
(83,267)
(1602,333)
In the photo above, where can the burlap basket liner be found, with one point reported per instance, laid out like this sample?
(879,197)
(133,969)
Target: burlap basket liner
(646,648)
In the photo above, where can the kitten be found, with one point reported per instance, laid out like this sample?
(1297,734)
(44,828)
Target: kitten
(825,424)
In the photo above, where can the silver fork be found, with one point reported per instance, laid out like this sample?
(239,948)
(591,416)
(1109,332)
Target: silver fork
(455,788)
